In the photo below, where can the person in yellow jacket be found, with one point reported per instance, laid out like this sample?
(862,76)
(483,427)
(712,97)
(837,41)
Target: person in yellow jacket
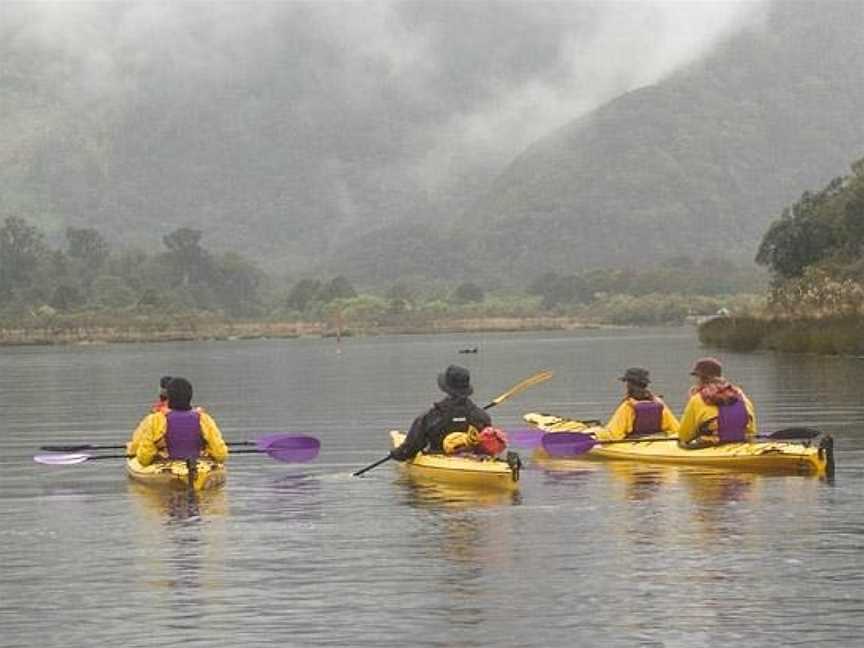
(640,413)
(180,432)
(717,412)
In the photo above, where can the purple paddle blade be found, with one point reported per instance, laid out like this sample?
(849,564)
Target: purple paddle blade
(525,437)
(567,444)
(61,459)
(263,442)
(293,448)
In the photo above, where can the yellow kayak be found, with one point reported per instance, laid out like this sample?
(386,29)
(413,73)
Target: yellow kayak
(175,474)
(755,456)
(464,470)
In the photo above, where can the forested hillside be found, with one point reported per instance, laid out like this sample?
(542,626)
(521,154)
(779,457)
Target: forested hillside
(698,164)
(278,141)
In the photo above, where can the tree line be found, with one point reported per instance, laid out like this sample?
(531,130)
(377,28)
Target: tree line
(85,273)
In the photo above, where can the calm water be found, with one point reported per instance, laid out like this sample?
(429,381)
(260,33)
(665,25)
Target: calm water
(288,555)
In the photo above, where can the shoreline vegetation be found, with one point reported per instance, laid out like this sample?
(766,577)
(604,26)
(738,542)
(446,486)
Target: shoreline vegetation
(839,335)
(82,290)
(815,252)
(198,329)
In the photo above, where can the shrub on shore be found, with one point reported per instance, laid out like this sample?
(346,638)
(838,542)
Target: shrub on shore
(830,335)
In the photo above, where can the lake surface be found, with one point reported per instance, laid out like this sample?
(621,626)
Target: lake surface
(306,555)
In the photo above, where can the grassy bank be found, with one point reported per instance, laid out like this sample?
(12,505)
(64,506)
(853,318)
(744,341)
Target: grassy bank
(837,335)
(189,328)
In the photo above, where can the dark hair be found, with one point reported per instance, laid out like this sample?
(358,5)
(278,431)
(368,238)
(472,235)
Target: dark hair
(163,388)
(639,392)
(179,394)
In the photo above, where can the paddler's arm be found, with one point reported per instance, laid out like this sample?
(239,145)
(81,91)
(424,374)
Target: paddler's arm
(669,423)
(137,435)
(689,426)
(414,441)
(751,425)
(154,427)
(621,423)
(216,447)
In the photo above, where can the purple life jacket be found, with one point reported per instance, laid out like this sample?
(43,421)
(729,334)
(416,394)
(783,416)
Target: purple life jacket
(732,420)
(183,437)
(649,415)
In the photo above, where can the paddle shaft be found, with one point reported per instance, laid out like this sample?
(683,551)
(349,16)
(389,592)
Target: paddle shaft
(125,456)
(372,465)
(81,448)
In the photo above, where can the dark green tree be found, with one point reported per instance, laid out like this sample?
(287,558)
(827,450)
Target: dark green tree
(468,293)
(87,245)
(303,293)
(188,258)
(803,235)
(239,282)
(21,249)
(337,288)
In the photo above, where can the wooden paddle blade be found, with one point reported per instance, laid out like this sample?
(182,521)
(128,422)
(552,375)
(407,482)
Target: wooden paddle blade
(567,444)
(536,379)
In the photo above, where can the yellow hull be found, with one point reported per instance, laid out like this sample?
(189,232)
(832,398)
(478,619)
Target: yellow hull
(174,474)
(470,471)
(758,456)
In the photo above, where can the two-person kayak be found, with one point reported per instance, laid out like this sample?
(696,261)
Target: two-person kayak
(465,470)
(756,456)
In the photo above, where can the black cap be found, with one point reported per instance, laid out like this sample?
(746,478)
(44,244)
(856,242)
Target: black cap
(637,376)
(456,381)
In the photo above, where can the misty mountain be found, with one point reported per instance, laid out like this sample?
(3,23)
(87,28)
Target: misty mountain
(385,140)
(294,133)
(698,164)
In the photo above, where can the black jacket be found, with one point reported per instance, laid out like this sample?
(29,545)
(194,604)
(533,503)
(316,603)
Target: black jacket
(453,414)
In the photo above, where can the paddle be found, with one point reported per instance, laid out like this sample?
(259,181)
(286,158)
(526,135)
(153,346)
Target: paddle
(261,443)
(288,449)
(569,444)
(518,388)
(530,381)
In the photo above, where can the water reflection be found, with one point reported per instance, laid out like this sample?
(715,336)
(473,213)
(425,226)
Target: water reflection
(294,496)
(177,505)
(468,538)
(424,493)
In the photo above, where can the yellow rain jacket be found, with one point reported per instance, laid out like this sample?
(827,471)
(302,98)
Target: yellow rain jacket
(458,441)
(149,438)
(620,426)
(698,413)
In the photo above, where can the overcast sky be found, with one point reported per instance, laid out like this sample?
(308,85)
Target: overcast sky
(466,82)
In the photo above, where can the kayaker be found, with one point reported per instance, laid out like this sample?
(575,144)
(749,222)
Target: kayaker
(455,414)
(717,411)
(181,432)
(640,413)
(161,404)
